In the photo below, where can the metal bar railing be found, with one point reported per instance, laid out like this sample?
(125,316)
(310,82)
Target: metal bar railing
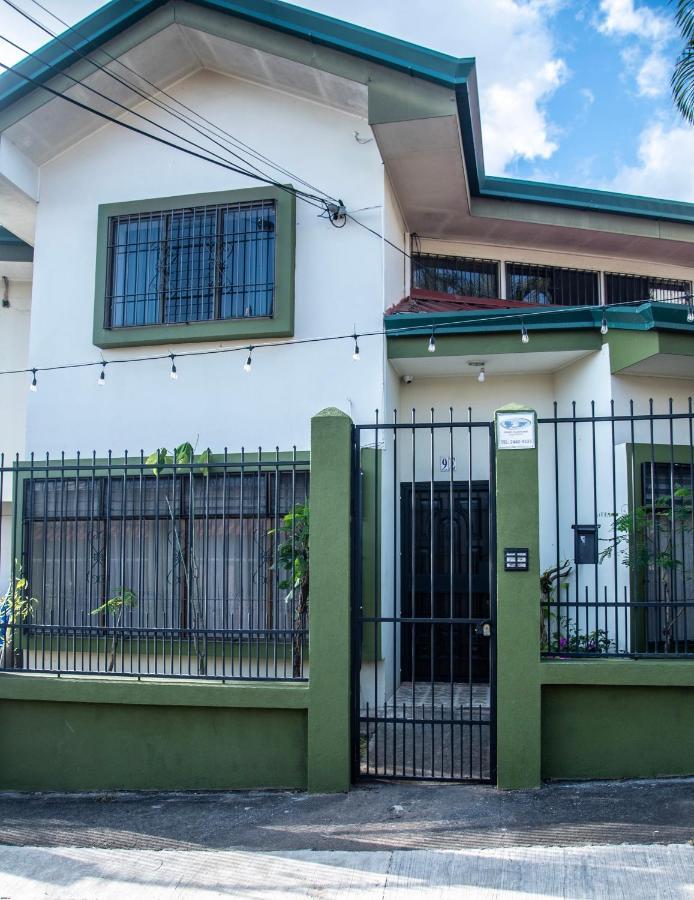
(184,568)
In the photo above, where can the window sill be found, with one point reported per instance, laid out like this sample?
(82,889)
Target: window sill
(193,332)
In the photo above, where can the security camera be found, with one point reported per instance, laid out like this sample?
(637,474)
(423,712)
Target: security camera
(407,379)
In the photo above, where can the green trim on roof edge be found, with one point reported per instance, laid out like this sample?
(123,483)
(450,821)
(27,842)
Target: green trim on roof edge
(393,53)
(638,317)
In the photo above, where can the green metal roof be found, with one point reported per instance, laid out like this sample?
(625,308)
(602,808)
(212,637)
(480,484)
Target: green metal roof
(439,68)
(627,317)
(14,249)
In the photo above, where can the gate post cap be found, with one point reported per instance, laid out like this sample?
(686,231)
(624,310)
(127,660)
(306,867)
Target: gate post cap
(331,412)
(515,407)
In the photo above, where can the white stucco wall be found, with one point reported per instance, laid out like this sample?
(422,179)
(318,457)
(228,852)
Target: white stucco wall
(14,346)
(339,286)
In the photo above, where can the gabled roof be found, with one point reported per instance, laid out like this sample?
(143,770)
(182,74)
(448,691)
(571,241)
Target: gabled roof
(423,64)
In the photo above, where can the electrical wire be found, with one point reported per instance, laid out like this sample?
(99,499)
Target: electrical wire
(218,162)
(424,329)
(205,131)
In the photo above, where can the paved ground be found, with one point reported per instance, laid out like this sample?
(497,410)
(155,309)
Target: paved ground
(602,840)
(634,872)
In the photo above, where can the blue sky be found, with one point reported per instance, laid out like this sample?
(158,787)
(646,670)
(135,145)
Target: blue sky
(572,91)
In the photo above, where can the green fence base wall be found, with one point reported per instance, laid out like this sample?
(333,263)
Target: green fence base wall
(605,731)
(49,745)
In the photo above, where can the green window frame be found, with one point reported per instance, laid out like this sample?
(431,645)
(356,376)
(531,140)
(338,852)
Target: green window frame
(279,323)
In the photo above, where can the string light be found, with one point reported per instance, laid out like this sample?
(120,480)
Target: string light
(603,326)
(33,387)
(355,355)
(102,377)
(249,362)
(405,330)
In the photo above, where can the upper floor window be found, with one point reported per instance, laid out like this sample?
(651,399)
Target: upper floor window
(456,275)
(194,268)
(191,265)
(551,285)
(641,288)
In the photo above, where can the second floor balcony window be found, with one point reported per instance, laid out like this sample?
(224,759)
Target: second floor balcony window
(457,275)
(551,285)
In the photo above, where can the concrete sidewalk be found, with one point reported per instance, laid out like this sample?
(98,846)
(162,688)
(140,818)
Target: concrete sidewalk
(601,840)
(633,872)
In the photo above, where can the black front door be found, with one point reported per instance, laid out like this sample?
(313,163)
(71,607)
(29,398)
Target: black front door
(445,579)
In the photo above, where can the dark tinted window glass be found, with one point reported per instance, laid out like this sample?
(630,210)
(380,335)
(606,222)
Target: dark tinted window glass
(640,288)
(456,275)
(550,285)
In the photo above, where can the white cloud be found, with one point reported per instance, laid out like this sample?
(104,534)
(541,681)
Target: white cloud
(624,18)
(648,32)
(664,167)
(653,75)
(518,64)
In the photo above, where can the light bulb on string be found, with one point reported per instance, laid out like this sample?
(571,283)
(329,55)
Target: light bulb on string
(33,387)
(249,362)
(432,342)
(603,325)
(690,313)
(102,377)
(355,355)
(173,374)
(525,337)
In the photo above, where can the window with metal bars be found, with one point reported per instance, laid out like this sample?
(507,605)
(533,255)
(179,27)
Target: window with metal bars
(551,285)
(456,275)
(193,264)
(174,541)
(621,288)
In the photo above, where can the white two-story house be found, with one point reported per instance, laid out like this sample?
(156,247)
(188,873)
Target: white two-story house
(289,213)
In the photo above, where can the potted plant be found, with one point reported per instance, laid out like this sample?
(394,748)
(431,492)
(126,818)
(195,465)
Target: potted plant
(16,607)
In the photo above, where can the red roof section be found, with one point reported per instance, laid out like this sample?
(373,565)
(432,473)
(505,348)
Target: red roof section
(421,300)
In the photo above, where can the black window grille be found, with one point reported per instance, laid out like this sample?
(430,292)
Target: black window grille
(182,574)
(190,265)
(641,288)
(551,285)
(456,275)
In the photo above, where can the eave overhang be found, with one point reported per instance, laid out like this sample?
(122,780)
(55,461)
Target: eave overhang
(423,108)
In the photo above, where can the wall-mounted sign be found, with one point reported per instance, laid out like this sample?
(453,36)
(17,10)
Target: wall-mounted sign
(447,463)
(515,430)
(516,559)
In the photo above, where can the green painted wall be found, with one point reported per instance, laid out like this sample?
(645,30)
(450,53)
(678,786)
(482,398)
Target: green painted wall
(518,620)
(603,731)
(330,598)
(98,746)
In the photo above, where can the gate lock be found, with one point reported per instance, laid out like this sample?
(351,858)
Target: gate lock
(484,629)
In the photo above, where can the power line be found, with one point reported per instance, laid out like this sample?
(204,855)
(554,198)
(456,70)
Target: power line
(218,162)
(206,132)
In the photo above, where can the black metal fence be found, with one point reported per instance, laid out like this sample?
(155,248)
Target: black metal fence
(423,588)
(193,568)
(617,531)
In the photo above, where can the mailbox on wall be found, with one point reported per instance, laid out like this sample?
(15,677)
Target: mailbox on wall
(585,544)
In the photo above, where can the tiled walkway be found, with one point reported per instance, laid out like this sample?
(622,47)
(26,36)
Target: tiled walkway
(429,731)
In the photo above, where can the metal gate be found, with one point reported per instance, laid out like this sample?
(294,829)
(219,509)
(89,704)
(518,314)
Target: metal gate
(423,694)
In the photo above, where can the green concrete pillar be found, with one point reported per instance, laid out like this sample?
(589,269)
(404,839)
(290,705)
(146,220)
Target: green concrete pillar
(329,599)
(518,613)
